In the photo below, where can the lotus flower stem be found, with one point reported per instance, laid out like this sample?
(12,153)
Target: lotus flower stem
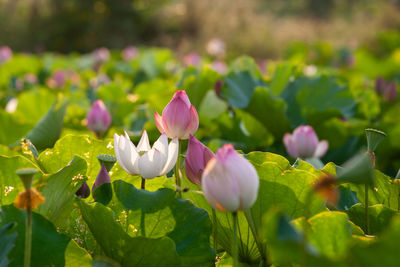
(143,184)
(28,238)
(235,252)
(214,217)
(250,221)
(366,210)
(177,171)
(372,157)
(143,223)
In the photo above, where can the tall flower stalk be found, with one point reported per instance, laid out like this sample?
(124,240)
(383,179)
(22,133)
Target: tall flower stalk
(230,184)
(374,137)
(28,200)
(178,172)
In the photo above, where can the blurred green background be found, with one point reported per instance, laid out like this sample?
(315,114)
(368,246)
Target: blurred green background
(259,28)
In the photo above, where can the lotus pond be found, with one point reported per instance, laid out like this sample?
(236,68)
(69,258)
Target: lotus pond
(140,158)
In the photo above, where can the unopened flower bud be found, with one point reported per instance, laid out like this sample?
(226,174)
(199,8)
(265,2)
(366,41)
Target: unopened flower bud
(98,118)
(197,157)
(230,182)
(179,118)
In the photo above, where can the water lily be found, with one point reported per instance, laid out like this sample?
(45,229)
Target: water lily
(230,182)
(179,118)
(197,157)
(144,160)
(304,143)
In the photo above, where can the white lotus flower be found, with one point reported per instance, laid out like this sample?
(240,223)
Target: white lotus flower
(143,160)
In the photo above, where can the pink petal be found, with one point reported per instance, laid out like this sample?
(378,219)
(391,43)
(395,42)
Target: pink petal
(321,149)
(290,145)
(193,124)
(159,122)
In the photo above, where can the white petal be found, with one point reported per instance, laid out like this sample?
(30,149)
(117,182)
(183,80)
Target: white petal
(144,144)
(162,144)
(173,150)
(220,190)
(246,176)
(127,155)
(321,149)
(151,164)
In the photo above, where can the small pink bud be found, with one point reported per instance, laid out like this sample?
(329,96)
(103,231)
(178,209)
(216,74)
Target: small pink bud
(304,143)
(98,118)
(192,59)
(5,54)
(218,87)
(101,55)
(390,93)
(179,118)
(102,178)
(129,53)
(216,47)
(197,157)
(31,78)
(58,79)
(219,66)
(380,85)
(230,182)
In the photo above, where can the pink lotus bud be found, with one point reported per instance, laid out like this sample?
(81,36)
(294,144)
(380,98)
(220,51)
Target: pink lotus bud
(31,78)
(216,47)
(219,66)
(102,178)
(304,143)
(179,118)
(83,191)
(192,59)
(5,54)
(98,118)
(230,182)
(218,87)
(129,53)
(57,80)
(101,55)
(390,93)
(197,156)
(380,85)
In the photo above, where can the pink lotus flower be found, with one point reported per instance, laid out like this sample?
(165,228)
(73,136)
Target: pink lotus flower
(303,143)
(5,54)
(197,156)
(230,182)
(179,118)
(129,53)
(98,118)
